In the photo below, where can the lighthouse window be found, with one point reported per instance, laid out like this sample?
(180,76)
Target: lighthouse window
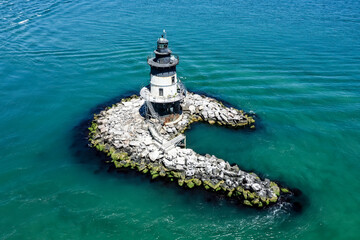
(161,92)
(173,79)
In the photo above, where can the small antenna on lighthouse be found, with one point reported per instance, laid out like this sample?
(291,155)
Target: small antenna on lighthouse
(164,32)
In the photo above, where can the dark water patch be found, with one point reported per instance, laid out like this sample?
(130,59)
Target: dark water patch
(79,143)
(297,201)
(244,129)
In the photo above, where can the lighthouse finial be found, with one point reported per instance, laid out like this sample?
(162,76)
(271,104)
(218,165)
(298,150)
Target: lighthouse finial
(164,32)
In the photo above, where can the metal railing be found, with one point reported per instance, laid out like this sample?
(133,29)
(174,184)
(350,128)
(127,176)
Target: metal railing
(173,56)
(153,113)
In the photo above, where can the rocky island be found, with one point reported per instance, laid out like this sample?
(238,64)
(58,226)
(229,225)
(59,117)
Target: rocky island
(145,133)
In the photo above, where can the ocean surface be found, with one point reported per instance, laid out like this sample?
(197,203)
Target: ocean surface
(294,63)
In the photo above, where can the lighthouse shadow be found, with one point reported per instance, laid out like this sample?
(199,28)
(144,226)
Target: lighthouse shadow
(142,110)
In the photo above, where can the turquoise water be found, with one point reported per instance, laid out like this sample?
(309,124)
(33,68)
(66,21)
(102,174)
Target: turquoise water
(295,64)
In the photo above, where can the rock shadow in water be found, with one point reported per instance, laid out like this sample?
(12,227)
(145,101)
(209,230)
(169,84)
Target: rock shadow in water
(98,162)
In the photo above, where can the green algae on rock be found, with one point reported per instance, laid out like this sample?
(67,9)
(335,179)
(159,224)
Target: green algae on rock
(123,134)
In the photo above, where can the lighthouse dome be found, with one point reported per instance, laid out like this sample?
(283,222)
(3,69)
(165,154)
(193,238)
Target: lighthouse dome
(162,40)
(162,45)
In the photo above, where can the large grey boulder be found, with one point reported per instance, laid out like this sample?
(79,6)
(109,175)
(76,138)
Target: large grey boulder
(180,160)
(154,155)
(192,109)
(256,187)
(135,143)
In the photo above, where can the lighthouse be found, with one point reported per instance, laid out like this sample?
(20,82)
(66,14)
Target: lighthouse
(165,92)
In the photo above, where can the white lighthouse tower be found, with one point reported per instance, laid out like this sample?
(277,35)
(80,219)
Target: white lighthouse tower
(165,92)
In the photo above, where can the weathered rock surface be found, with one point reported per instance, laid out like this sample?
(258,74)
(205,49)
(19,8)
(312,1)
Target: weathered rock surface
(130,141)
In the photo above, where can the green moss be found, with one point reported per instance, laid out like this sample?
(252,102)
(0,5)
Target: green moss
(190,184)
(175,174)
(100,147)
(133,164)
(118,164)
(250,195)
(273,199)
(134,96)
(209,185)
(285,190)
(238,193)
(240,189)
(180,182)
(197,182)
(114,156)
(248,203)
(119,155)
(245,194)
(124,156)
(153,172)
(112,150)
(156,169)
(276,190)
(162,173)
(272,184)
(93,127)
(141,167)
(154,176)
(217,186)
